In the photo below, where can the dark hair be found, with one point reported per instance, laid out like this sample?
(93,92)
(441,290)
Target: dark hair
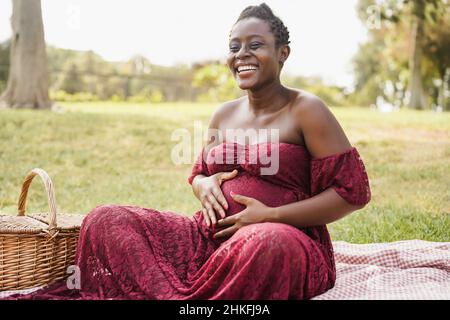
(264,13)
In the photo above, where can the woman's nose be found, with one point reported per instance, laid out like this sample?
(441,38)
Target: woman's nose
(243,52)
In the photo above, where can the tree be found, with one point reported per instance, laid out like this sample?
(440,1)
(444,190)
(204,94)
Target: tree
(437,48)
(404,50)
(4,63)
(417,100)
(71,81)
(27,85)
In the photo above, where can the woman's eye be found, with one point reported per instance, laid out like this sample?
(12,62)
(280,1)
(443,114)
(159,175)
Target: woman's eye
(234,48)
(255,45)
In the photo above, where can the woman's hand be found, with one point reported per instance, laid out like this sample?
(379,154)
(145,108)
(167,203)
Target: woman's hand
(256,212)
(211,196)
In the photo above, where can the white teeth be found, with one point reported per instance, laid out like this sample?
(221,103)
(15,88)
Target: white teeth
(246,68)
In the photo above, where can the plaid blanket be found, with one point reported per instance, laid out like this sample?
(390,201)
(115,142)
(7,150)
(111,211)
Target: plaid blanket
(411,269)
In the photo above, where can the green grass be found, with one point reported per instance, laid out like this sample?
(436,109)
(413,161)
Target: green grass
(101,153)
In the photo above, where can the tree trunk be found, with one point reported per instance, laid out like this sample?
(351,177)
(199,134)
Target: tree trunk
(28,79)
(417,98)
(444,89)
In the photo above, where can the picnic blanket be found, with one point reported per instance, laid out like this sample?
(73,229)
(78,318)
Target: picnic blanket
(410,269)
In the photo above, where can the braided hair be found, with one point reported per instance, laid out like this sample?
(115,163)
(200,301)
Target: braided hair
(264,13)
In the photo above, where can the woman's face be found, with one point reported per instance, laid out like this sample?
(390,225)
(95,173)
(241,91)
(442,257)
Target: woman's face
(253,57)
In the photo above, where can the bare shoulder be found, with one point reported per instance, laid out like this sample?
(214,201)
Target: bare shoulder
(224,111)
(308,106)
(321,131)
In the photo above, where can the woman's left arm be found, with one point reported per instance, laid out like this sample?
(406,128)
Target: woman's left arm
(323,136)
(321,209)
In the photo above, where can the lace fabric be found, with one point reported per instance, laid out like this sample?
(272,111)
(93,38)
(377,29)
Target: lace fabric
(345,173)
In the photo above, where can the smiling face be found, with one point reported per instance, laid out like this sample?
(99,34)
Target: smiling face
(254,58)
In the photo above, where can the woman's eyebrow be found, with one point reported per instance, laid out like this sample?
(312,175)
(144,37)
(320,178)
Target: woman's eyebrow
(248,37)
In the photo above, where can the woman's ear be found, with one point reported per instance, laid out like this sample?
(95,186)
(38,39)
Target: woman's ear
(284,54)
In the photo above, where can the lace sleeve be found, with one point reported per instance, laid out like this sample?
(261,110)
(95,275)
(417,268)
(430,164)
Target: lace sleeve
(345,173)
(199,167)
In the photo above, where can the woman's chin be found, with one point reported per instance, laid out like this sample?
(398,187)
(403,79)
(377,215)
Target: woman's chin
(246,85)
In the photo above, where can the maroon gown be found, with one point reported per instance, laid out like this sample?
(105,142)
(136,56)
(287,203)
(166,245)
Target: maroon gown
(129,252)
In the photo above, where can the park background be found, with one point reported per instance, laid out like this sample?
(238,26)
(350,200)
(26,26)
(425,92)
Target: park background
(95,101)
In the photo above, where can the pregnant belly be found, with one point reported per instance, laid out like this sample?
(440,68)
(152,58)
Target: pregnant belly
(248,185)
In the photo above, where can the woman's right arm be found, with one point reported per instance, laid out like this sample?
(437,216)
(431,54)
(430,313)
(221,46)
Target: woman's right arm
(207,188)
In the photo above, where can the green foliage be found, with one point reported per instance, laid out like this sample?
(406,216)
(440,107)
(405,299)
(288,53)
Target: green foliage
(63,96)
(381,65)
(215,83)
(331,95)
(147,95)
(4,64)
(135,80)
(71,80)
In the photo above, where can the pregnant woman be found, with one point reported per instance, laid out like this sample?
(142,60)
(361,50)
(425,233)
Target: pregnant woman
(258,236)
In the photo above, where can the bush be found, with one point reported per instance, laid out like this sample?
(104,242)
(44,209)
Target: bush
(62,96)
(332,96)
(116,98)
(147,95)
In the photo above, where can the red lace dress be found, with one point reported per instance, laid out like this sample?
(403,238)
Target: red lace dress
(129,252)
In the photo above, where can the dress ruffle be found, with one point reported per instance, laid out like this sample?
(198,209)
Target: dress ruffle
(345,173)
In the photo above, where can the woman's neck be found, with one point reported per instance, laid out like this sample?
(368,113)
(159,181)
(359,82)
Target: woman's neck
(268,99)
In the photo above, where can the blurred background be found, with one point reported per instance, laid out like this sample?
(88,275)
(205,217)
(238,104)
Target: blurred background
(351,52)
(91,92)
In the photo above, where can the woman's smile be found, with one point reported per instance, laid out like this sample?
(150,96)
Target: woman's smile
(246,70)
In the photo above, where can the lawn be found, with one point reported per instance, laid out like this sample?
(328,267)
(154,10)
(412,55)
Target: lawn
(101,153)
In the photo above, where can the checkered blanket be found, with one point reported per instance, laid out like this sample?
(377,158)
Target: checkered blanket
(412,269)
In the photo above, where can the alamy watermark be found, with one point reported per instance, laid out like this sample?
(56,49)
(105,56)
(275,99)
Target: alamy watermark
(251,147)
(74,280)
(73,17)
(374,17)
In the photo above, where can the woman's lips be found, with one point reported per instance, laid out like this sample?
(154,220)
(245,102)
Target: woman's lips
(246,69)
(246,73)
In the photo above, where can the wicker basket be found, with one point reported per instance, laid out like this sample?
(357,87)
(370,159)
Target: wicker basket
(35,250)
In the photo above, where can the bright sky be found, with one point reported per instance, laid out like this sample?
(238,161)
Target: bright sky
(324,34)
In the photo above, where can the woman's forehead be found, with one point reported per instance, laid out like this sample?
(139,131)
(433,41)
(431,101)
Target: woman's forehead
(250,27)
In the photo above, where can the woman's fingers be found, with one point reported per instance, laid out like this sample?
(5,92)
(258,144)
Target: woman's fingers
(226,232)
(212,200)
(228,221)
(227,176)
(206,217)
(211,213)
(219,196)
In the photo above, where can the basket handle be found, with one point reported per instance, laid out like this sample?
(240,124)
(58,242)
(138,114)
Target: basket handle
(50,195)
